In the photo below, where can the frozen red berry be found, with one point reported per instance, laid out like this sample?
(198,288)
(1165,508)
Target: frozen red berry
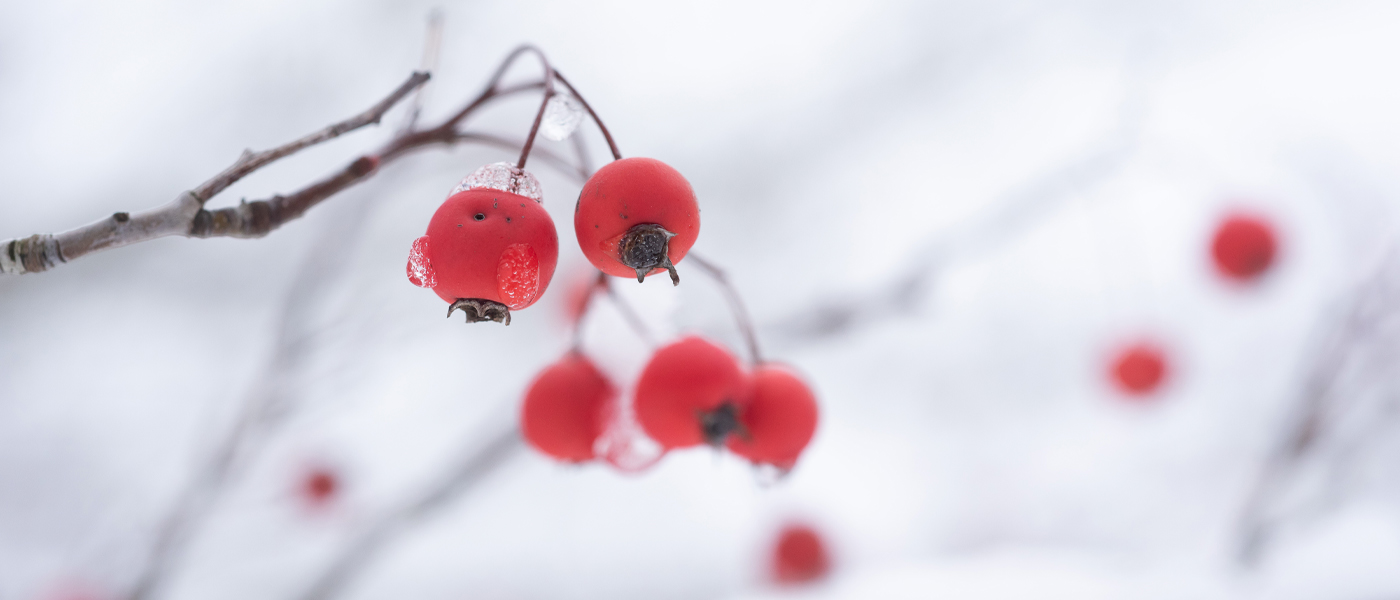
(778,420)
(1139,369)
(565,409)
(636,217)
(491,248)
(799,556)
(690,392)
(319,486)
(1244,247)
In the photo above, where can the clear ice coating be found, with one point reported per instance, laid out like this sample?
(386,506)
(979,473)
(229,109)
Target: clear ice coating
(505,177)
(420,269)
(562,115)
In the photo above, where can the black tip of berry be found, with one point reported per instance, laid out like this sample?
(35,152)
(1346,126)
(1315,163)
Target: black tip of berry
(646,247)
(718,424)
(478,310)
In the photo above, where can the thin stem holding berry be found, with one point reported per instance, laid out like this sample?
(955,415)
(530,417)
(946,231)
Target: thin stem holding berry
(736,305)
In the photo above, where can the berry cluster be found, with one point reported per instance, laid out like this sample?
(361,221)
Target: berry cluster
(491,248)
(691,392)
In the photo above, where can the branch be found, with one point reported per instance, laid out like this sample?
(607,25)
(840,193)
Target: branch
(736,304)
(1329,393)
(475,466)
(185,215)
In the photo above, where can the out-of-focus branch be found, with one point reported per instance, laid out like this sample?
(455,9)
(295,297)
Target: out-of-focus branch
(1359,345)
(736,304)
(186,215)
(355,558)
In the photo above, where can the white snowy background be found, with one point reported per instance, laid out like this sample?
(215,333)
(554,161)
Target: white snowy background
(1057,167)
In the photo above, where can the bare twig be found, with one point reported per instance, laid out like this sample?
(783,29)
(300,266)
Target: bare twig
(474,466)
(431,51)
(186,215)
(1357,347)
(736,304)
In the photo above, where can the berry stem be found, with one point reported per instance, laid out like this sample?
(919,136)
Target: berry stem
(629,314)
(736,304)
(603,128)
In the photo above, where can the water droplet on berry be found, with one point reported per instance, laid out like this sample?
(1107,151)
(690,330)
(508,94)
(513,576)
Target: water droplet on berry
(562,116)
(504,177)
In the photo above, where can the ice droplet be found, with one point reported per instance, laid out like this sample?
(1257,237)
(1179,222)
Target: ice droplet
(518,276)
(420,270)
(505,177)
(562,114)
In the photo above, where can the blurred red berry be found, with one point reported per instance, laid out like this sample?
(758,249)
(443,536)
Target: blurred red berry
(635,217)
(319,486)
(800,556)
(778,420)
(1139,369)
(691,392)
(564,411)
(1243,247)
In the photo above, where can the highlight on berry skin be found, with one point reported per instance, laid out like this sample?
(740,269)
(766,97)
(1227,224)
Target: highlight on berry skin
(1139,369)
(564,411)
(637,217)
(1244,247)
(799,556)
(490,247)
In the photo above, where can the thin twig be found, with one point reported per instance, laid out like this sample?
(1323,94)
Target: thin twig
(736,304)
(186,215)
(431,52)
(629,314)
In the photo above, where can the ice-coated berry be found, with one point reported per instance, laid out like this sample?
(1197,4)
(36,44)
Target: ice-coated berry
(488,250)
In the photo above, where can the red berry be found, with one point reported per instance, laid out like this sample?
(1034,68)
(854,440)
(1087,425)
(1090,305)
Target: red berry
(564,411)
(778,420)
(1139,369)
(635,217)
(487,251)
(1244,247)
(319,486)
(799,556)
(691,392)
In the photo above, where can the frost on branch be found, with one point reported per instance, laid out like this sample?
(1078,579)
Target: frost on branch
(505,177)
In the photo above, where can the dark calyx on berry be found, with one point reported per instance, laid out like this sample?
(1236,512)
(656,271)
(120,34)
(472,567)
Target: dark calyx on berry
(720,422)
(478,310)
(645,247)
